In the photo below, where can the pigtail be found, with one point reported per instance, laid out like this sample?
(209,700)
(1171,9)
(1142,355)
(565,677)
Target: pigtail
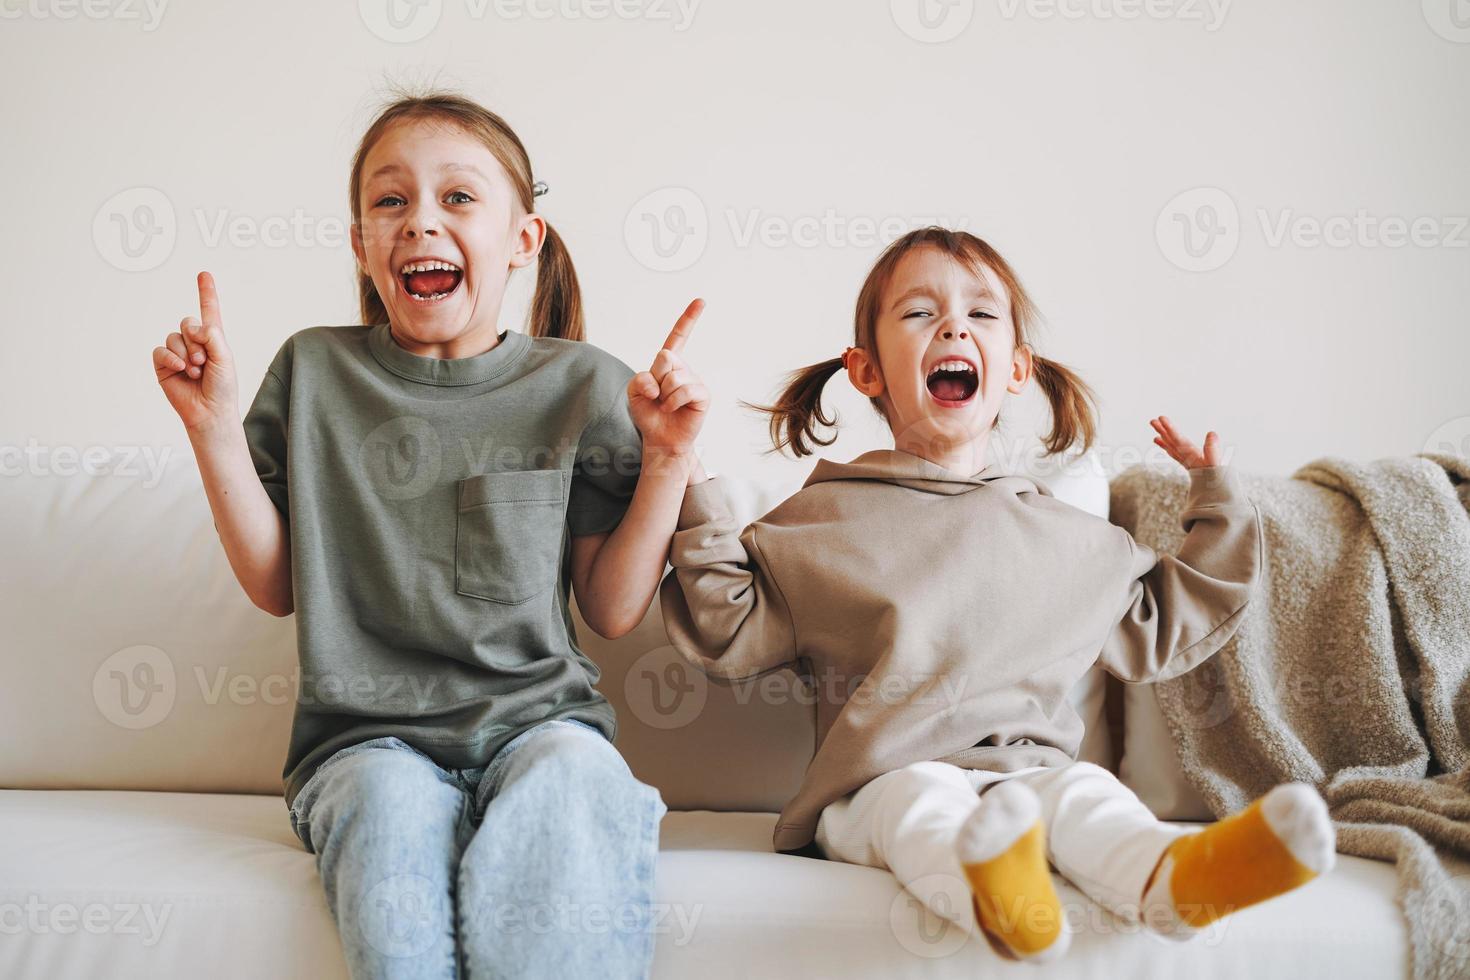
(556,309)
(798,412)
(1073,406)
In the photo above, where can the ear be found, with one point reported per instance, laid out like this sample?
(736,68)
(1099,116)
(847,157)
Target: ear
(358,251)
(529,238)
(1023,363)
(862,371)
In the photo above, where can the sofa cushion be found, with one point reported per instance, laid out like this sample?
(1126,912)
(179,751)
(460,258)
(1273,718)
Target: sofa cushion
(1150,764)
(109,883)
(136,660)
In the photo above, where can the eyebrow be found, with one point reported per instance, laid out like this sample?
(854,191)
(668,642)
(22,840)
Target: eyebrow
(982,292)
(393,168)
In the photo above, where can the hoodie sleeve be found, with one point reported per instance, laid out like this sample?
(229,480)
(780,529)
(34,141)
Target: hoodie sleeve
(722,608)
(1183,608)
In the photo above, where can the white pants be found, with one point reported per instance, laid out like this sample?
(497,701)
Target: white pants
(1098,834)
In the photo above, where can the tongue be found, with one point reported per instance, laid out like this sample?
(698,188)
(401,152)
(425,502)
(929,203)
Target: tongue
(948,389)
(428,283)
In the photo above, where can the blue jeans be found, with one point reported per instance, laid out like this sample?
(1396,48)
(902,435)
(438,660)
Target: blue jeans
(539,864)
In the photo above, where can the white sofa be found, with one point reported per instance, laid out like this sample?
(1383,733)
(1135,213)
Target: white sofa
(145,713)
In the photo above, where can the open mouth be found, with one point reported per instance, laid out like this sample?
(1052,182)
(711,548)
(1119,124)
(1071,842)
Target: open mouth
(430,281)
(953,382)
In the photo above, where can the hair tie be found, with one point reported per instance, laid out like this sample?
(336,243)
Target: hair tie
(845,353)
(539,188)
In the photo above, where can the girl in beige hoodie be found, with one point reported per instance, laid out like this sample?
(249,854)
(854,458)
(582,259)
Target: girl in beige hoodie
(943,610)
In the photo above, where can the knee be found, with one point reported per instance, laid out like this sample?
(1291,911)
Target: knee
(576,766)
(387,788)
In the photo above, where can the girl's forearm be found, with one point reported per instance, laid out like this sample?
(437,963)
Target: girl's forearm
(626,573)
(253,532)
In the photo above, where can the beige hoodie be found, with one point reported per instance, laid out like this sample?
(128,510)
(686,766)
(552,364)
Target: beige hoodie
(947,617)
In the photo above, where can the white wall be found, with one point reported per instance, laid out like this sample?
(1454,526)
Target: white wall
(1060,134)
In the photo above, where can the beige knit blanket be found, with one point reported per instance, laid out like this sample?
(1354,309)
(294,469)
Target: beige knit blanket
(1350,670)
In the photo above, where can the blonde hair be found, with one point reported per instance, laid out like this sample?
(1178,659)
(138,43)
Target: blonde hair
(798,412)
(556,308)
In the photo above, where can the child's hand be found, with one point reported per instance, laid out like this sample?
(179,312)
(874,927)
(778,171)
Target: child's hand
(1182,449)
(195,368)
(668,402)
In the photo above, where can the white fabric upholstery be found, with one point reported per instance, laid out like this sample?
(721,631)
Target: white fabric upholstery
(232,894)
(108,583)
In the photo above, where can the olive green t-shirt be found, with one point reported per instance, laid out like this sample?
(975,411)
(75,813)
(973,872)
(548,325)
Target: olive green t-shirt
(431,505)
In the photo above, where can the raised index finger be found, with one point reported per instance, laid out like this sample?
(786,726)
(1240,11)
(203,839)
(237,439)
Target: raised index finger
(684,327)
(208,301)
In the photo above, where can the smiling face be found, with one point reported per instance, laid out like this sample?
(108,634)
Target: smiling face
(441,227)
(946,357)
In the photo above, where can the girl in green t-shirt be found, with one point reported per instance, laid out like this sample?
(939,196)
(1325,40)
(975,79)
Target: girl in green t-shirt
(495,829)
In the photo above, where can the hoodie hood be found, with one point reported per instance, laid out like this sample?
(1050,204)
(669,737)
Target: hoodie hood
(916,473)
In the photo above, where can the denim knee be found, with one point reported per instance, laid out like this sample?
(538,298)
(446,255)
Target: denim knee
(572,763)
(377,791)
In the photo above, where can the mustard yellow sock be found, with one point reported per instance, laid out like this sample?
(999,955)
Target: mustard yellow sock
(1002,849)
(1280,842)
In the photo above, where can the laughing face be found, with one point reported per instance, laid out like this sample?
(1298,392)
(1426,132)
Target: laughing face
(441,228)
(946,358)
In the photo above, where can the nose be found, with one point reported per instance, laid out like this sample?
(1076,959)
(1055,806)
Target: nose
(949,334)
(418,225)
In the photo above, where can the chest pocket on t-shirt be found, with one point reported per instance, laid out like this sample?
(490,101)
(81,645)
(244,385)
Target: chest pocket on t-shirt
(508,539)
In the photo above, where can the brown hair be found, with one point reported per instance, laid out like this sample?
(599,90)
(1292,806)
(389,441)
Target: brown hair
(798,412)
(556,309)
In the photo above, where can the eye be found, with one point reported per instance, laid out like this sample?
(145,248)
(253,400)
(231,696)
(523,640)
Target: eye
(387,197)
(913,313)
(463,194)
(982,314)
